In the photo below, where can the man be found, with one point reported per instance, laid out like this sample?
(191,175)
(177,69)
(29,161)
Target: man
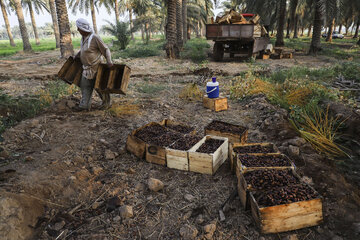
(92,48)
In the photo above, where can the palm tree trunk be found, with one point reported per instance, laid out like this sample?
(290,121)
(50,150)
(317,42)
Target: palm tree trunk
(55,24)
(7,24)
(147,32)
(171,48)
(293,15)
(309,31)
(184,18)
(131,23)
(357,28)
(302,31)
(179,24)
(315,45)
(331,29)
(288,28)
(117,14)
(142,33)
(92,9)
(66,47)
(281,22)
(33,22)
(340,27)
(296,30)
(22,25)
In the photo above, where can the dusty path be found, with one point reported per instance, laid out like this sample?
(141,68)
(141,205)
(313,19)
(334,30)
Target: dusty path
(64,165)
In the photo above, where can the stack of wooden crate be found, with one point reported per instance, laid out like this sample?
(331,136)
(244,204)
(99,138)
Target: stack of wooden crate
(290,215)
(186,160)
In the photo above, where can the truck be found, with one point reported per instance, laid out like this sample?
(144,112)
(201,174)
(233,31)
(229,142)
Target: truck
(248,39)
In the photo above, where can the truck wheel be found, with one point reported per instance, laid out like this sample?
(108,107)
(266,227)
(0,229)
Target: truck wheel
(218,51)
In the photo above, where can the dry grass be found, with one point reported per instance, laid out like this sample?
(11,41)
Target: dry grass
(298,96)
(123,109)
(320,131)
(191,92)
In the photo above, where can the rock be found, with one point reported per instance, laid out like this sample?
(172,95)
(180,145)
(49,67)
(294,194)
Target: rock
(131,171)
(139,187)
(4,153)
(112,203)
(307,180)
(29,158)
(126,212)
(97,170)
(189,197)
(188,232)
(209,229)
(70,103)
(117,219)
(34,123)
(283,133)
(282,149)
(290,237)
(90,149)
(293,151)
(155,184)
(109,155)
(222,216)
(82,174)
(59,225)
(96,205)
(267,122)
(356,227)
(199,219)
(298,141)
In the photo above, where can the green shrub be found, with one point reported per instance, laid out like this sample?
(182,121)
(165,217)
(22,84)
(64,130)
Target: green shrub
(195,49)
(139,49)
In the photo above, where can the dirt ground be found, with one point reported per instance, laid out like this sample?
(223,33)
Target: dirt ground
(63,167)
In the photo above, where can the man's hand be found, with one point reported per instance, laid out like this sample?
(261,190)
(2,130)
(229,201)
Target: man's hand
(110,65)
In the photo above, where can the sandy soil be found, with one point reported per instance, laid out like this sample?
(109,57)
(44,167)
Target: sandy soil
(64,166)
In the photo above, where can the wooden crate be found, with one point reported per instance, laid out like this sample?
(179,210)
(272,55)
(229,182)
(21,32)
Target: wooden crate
(177,159)
(114,79)
(287,55)
(232,154)
(244,188)
(135,145)
(241,168)
(208,163)
(155,154)
(169,122)
(215,104)
(287,217)
(233,138)
(71,71)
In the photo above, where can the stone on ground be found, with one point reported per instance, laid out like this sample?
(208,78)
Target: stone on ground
(155,184)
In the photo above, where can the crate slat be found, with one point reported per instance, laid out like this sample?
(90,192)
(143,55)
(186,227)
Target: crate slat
(177,159)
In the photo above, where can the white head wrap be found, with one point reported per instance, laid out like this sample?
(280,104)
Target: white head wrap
(84,25)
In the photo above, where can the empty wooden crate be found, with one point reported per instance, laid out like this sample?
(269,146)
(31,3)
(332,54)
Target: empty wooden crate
(208,163)
(215,104)
(114,79)
(71,71)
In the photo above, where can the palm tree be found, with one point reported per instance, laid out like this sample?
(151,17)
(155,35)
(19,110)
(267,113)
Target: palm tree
(55,23)
(24,34)
(179,23)
(36,5)
(184,18)
(66,47)
(280,31)
(172,50)
(332,9)
(85,5)
(315,41)
(7,24)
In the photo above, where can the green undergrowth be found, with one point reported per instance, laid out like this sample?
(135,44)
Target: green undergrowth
(46,44)
(196,50)
(139,49)
(15,109)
